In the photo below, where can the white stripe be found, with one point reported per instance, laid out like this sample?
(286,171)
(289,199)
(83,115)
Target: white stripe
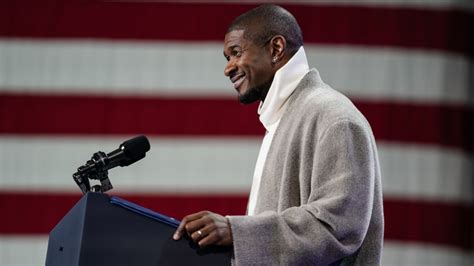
(172,165)
(404,254)
(23,250)
(394,74)
(196,69)
(202,165)
(434,173)
(31,250)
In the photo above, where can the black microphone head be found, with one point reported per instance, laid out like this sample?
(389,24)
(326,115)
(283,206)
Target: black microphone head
(134,149)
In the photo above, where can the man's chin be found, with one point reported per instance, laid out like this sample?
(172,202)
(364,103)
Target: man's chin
(245,101)
(250,96)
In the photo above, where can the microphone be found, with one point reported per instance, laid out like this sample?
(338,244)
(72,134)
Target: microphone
(128,153)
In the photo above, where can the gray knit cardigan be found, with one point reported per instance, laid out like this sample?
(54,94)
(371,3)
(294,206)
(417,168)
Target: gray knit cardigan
(320,198)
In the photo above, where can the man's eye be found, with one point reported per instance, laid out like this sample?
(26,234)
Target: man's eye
(237,53)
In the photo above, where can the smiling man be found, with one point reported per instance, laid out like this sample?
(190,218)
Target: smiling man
(316,195)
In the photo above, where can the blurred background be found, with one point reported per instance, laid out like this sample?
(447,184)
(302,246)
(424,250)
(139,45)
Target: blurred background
(79,76)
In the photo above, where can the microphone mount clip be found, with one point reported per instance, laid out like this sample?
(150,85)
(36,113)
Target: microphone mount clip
(94,169)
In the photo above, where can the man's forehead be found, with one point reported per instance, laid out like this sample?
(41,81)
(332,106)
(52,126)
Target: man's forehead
(234,38)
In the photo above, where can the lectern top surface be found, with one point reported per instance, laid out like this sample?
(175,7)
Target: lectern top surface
(144,211)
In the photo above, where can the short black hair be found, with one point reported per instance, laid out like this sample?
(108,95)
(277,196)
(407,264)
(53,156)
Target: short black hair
(263,22)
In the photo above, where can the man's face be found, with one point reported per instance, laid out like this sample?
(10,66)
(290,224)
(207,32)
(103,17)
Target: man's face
(248,66)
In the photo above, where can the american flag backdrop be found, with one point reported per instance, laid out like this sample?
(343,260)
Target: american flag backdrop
(79,76)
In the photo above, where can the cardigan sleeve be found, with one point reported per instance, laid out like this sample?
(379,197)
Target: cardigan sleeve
(333,222)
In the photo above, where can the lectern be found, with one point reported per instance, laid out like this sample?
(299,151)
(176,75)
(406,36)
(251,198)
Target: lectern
(103,230)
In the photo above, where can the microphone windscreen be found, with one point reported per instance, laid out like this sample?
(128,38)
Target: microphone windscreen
(134,149)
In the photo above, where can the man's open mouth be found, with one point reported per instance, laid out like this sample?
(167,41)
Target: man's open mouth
(237,80)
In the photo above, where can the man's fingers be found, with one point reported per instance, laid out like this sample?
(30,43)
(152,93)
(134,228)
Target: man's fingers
(182,226)
(189,224)
(198,235)
(179,232)
(205,228)
(213,235)
(203,231)
(193,226)
(208,240)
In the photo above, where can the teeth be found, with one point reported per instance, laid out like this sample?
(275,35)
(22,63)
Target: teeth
(238,82)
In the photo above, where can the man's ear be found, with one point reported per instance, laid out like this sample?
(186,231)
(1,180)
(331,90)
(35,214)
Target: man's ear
(278,47)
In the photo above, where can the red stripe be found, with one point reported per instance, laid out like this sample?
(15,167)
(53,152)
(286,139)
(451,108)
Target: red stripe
(449,224)
(431,222)
(433,124)
(35,114)
(422,123)
(440,29)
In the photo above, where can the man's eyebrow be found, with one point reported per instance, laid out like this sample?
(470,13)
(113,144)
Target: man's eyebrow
(233,46)
(230,48)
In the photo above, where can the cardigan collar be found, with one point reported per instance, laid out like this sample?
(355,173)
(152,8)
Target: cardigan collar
(284,83)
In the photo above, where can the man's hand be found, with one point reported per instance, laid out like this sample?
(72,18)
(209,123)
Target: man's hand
(205,228)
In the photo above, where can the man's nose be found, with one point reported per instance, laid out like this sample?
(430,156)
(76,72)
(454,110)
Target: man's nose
(229,68)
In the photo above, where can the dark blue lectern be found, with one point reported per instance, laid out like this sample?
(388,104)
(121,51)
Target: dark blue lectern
(103,230)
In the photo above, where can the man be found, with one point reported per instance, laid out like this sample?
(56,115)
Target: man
(316,196)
